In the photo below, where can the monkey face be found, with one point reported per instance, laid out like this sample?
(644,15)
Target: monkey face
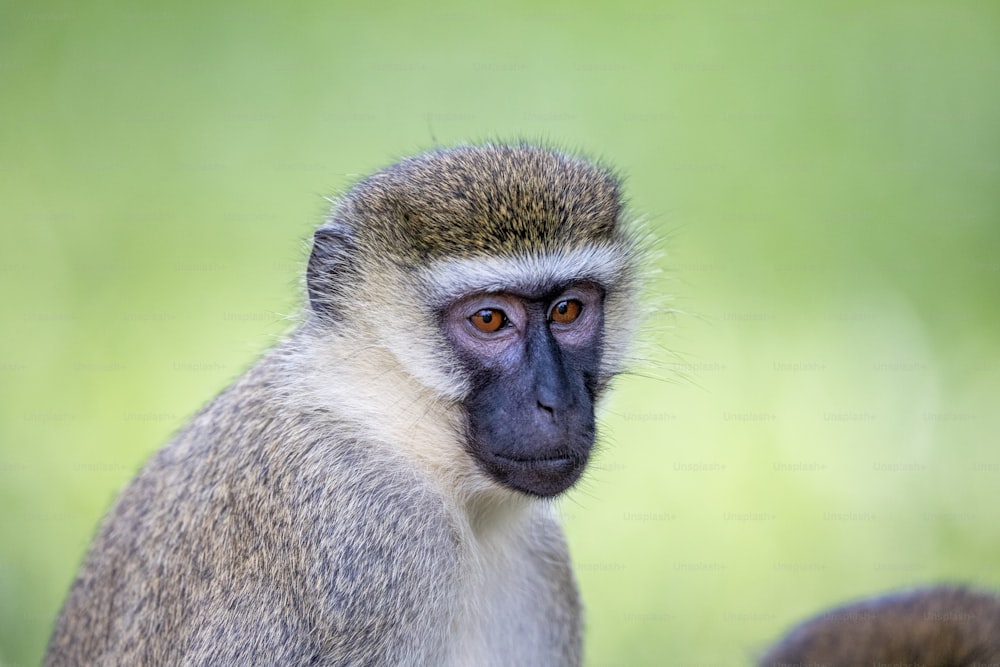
(533,360)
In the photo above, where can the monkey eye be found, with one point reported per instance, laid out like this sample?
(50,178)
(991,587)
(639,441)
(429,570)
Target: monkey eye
(489,320)
(565,311)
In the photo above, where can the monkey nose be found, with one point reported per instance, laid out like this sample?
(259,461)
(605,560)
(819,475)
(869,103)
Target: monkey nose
(551,399)
(547,410)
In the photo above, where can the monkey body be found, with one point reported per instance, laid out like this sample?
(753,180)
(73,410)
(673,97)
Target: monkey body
(374,491)
(256,537)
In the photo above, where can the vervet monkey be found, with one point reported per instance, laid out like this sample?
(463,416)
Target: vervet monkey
(930,627)
(375,490)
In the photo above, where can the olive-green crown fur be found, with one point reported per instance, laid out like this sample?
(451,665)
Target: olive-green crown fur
(499,200)
(465,202)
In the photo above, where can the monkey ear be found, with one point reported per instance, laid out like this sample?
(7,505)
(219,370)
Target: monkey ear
(330,266)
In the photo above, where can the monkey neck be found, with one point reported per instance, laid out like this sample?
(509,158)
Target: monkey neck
(359,390)
(489,513)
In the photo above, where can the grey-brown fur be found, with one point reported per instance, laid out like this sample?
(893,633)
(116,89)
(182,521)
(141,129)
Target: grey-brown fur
(228,548)
(932,627)
(516,198)
(321,511)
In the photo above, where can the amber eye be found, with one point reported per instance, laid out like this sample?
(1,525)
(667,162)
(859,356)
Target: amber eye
(565,312)
(488,320)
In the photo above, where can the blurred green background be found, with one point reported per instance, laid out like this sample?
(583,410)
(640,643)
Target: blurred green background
(816,414)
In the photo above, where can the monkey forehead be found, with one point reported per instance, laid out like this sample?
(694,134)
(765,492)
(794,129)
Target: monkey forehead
(449,279)
(484,199)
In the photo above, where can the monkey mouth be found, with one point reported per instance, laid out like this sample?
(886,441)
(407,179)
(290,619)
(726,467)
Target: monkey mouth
(543,476)
(540,467)
(536,463)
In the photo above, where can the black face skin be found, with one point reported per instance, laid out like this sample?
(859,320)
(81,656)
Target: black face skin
(534,361)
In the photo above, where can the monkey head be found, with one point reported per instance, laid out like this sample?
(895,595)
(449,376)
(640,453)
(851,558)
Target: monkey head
(505,280)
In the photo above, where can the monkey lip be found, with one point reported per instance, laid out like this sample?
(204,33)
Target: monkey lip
(542,476)
(539,463)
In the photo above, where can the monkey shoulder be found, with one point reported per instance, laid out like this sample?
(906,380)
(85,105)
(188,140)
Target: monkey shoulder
(259,535)
(365,548)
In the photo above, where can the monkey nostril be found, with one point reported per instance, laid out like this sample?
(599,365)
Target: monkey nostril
(547,408)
